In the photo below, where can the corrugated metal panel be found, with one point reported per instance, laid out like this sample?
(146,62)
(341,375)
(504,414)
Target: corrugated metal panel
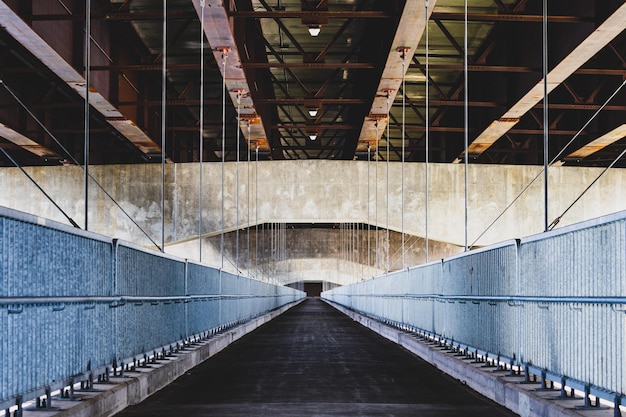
(59,303)
(554,301)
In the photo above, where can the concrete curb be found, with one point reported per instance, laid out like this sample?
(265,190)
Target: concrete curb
(524,399)
(114,396)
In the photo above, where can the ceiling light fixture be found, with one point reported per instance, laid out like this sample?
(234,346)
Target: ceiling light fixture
(312,136)
(313,106)
(314,30)
(315,15)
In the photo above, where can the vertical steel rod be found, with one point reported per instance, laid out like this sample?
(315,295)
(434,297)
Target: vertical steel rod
(87,60)
(545,113)
(369,254)
(256,213)
(238,153)
(248,216)
(465,115)
(224,57)
(427,122)
(163,103)
(387,165)
(201,144)
(376,194)
(403,154)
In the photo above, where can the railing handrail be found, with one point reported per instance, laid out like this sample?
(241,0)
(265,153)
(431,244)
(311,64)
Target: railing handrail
(65,279)
(502,298)
(122,299)
(556,302)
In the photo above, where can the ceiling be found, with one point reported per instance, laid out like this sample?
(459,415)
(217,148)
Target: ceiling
(369,59)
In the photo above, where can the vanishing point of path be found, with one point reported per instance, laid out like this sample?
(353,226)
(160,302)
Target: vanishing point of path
(315,361)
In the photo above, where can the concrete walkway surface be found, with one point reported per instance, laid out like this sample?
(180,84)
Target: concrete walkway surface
(315,361)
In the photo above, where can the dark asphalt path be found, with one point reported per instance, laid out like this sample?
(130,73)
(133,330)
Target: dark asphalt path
(315,361)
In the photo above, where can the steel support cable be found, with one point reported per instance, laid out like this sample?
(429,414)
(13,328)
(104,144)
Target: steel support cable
(237,182)
(359,246)
(74,160)
(269,237)
(387,164)
(163,115)
(341,254)
(427,132)
(352,245)
(87,60)
(14,162)
(248,186)
(376,264)
(545,112)
(558,219)
(201,144)
(224,58)
(279,254)
(552,161)
(403,149)
(256,213)
(369,254)
(465,117)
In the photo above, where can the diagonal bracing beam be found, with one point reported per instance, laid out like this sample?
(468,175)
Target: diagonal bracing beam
(410,29)
(27,144)
(217,28)
(595,145)
(34,44)
(597,40)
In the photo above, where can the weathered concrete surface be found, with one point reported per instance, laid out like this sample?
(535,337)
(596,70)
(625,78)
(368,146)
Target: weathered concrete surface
(316,191)
(314,254)
(526,400)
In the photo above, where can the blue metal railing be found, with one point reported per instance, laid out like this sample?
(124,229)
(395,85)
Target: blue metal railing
(552,304)
(75,305)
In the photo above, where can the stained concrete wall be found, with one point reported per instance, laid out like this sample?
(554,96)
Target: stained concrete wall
(314,254)
(314,191)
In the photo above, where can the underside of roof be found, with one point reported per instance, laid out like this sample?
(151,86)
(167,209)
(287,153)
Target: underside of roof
(312,79)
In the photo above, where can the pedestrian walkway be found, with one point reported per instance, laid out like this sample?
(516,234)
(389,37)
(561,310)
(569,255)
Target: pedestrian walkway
(315,361)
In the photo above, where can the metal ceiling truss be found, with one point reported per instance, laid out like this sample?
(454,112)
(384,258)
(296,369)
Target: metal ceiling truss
(322,56)
(484,61)
(344,72)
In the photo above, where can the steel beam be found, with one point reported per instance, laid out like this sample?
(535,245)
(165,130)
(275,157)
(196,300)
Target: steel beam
(34,44)
(26,143)
(517,69)
(410,29)
(118,16)
(217,28)
(334,14)
(300,101)
(320,65)
(303,126)
(596,145)
(597,40)
(503,17)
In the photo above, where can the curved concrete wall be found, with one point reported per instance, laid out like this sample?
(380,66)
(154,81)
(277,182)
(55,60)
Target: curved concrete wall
(316,191)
